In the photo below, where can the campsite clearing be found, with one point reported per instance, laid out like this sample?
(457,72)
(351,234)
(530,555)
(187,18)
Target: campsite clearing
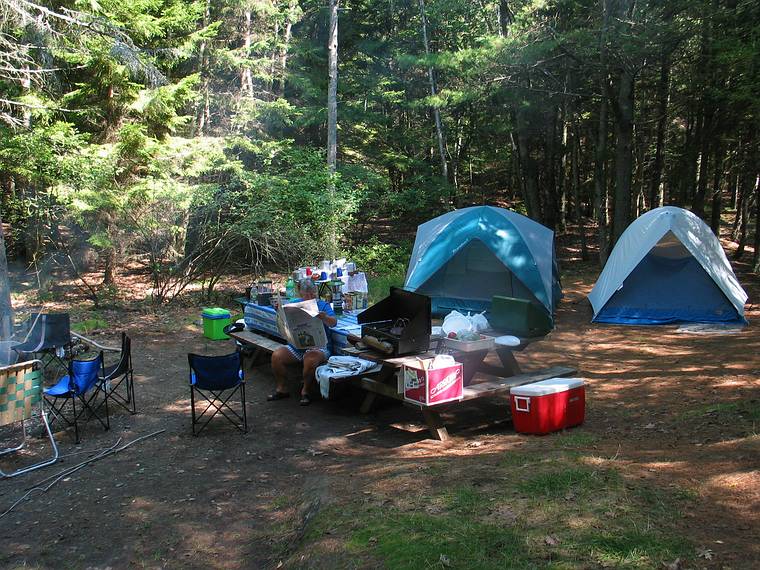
(665,467)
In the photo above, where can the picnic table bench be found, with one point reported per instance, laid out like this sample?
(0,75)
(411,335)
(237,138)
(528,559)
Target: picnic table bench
(385,382)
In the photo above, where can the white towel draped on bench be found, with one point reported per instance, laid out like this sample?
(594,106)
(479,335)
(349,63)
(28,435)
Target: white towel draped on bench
(342,367)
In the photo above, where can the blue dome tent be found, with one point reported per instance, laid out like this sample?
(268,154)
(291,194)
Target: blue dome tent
(462,259)
(668,267)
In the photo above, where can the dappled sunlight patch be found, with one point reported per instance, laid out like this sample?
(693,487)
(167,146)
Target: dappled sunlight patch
(178,407)
(738,480)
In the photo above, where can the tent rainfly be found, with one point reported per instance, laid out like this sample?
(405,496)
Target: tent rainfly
(668,267)
(463,258)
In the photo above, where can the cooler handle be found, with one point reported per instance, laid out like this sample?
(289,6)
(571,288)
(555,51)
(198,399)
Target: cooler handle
(519,399)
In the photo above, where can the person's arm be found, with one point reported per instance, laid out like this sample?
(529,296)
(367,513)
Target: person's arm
(329,320)
(326,314)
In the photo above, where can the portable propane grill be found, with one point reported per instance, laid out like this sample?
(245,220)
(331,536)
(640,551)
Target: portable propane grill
(403,319)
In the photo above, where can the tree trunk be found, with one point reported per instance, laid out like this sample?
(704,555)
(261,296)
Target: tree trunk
(698,205)
(656,188)
(756,255)
(332,89)
(505,18)
(202,115)
(246,77)
(436,112)
(562,178)
(600,150)
(285,47)
(623,154)
(528,168)
(747,189)
(551,207)
(717,195)
(110,267)
(576,183)
(6,308)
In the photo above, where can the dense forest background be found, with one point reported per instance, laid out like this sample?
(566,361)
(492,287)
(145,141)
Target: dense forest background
(189,136)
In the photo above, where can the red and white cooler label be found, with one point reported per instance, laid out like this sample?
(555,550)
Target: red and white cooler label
(430,387)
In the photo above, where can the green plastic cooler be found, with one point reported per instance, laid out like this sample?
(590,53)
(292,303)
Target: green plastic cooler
(214,321)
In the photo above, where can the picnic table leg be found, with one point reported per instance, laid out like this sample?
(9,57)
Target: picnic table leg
(369,399)
(509,361)
(435,424)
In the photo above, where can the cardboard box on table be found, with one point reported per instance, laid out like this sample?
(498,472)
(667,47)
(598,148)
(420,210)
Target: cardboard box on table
(429,387)
(549,405)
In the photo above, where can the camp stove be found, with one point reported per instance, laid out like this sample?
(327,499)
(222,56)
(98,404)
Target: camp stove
(403,320)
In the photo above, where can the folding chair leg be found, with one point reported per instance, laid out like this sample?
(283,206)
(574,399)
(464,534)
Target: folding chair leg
(92,410)
(218,404)
(192,406)
(8,450)
(242,402)
(76,417)
(108,417)
(40,464)
(131,392)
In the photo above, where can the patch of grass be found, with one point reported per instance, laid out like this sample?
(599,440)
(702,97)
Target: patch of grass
(518,459)
(417,540)
(580,480)
(748,410)
(89,325)
(632,547)
(575,439)
(597,518)
(466,501)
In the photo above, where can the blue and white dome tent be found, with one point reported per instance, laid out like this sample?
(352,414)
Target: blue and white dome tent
(668,267)
(463,258)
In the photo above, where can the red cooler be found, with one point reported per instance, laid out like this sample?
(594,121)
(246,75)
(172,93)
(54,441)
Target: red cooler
(549,405)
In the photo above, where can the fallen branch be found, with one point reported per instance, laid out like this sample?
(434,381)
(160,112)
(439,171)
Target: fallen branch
(93,343)
(70,470)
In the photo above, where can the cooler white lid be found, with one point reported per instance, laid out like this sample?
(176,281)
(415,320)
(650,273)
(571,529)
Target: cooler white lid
(550,386)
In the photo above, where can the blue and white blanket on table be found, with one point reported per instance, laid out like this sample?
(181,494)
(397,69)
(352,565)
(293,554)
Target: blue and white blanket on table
(264,318)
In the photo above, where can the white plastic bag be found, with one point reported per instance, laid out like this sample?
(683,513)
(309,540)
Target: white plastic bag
(357,282)
(456,322)
(442,361)
(479,321)
(462,324)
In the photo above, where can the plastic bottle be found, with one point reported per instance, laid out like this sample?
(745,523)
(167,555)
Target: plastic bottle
(290,289)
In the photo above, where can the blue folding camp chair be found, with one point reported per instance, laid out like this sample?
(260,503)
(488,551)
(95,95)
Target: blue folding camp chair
(118,378)
(20,392)
(83,383)
(210,377)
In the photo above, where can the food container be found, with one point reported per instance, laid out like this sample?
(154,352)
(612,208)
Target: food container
(264,292)
(484,343)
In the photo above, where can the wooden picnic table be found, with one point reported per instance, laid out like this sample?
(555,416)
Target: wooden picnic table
(386,382)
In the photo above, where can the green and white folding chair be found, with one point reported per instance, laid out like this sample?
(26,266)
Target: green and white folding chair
(20,392)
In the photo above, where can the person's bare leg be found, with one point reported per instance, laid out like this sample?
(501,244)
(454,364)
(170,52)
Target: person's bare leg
(311,360)
(281,359)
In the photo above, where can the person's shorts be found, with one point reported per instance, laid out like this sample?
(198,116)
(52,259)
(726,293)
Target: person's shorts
(299,354)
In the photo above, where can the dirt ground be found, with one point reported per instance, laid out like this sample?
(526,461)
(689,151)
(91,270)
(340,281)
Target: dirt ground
(659,408)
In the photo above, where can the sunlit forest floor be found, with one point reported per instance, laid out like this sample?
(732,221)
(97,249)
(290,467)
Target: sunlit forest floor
(663,474)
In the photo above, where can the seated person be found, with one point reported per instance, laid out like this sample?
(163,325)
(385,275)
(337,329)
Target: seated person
(310,359)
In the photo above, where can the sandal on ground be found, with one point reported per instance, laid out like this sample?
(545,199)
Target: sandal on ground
(305,400)
(277,396)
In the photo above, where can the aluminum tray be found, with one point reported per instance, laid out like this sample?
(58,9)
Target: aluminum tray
(485,343)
